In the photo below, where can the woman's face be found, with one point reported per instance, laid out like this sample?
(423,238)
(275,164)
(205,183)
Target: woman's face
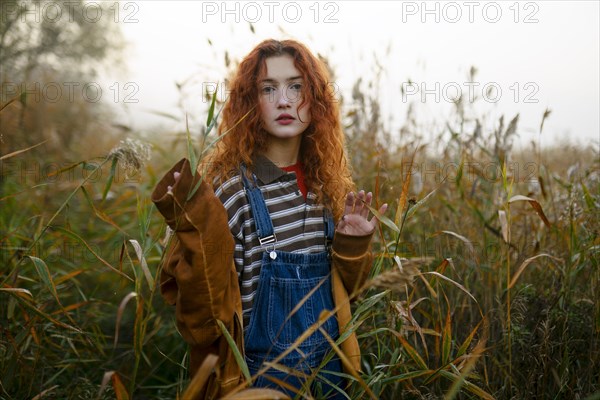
(280,94)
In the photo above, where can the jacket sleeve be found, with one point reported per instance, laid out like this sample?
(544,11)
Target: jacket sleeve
(353,259)
(197,275)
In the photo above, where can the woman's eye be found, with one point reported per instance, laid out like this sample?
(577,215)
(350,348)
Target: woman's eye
(296,86)
(267,89)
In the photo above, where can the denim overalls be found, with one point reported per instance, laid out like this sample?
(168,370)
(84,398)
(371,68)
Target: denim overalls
(285,280)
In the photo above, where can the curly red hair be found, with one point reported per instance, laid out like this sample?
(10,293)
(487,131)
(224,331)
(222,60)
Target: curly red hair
(322,147)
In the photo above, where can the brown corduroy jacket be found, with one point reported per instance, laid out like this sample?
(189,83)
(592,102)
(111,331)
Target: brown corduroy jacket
(199,277)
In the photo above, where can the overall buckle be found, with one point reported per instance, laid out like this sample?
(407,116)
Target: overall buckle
(267,240)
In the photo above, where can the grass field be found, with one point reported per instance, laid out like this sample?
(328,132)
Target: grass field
(486,281)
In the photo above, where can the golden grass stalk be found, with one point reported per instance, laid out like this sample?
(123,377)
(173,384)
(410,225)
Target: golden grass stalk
(525,263)
(348,364)
(395,279)
(17,152)
(201,377)
(119,388)
(140,255)
(257,394)
(43,393)
(120,311)
(535,204)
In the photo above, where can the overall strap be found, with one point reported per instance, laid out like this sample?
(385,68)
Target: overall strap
(262,219)
(329,225)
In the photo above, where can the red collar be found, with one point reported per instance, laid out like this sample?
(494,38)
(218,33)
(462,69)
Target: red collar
(299,170)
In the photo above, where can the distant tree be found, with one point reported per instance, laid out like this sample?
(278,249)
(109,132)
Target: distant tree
(69,33)
(49,50)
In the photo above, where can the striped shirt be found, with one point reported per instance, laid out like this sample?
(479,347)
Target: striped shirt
(298,223)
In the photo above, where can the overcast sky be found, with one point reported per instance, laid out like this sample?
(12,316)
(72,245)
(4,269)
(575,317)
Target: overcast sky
(531,55)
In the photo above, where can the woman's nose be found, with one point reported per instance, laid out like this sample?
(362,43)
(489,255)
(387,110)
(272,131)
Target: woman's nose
(282,98)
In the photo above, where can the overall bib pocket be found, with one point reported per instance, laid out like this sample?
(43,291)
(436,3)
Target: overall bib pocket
(287,322)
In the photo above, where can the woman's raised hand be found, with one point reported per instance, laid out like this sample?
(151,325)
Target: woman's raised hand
(355,220)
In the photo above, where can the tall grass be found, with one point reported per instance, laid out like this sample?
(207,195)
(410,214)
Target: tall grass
(485,282)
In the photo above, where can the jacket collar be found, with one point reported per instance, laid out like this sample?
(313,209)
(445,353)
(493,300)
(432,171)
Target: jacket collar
(265,169)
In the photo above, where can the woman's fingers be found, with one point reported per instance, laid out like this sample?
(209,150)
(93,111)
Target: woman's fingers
(365,209)
(355,219)
(359,203)
(176,176)
(381,211)
(355,204)
(358,198)
(383,208)
(349,205)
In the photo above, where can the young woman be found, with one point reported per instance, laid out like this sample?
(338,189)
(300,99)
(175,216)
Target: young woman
(278,240)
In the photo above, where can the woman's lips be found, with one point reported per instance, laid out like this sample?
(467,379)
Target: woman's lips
(285,119)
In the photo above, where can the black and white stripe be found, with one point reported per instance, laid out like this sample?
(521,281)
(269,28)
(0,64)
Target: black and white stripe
(298,223)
